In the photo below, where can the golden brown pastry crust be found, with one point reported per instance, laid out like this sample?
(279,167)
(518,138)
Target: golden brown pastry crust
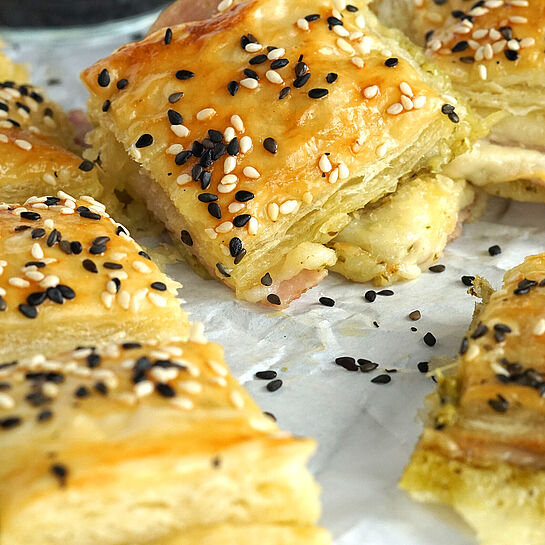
(159,427)
(86,279)
(364,129)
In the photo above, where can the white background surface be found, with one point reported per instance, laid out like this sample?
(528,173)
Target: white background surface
(366,432)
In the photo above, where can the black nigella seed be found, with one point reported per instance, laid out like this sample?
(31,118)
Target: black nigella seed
(205,180)
(233,87)
(175,117)
(10,422)
(222,269)
(273,299)
(32,216)
(214,210)
(60,472)
(453,116)
(423,366)
(333,21)
(467,60)
(66,291)
(318,93)
(233,148)
(480,331)
(28,311)
(279,63)
(55,295)
(3,304)
(242,220)
(270,145)
(183,157)
(468,280)
(174,97)
(159,286)
(122,83)
(494,250)
(218,150)
(351,8)
(464,346)
(82,392)
(144,141)
(347,362)
(381,379)
(37,298)
(284,93)
(240,256)
(266,280)
(235,246)
(331,77)
(104,78)
(415,315)
(457,13)
(430,339)
(215,136)
(100,240)
(165,390)
(106,105)
(266,375)
(500,404)
(511,54)
(37,233)
(206,159)
(186,238)
(312,17)
(86,213)
(243,196)
(301,80)
(89,265)
(196,172)
(370,295)
(197,149)
(101,388)
(274,385)
(258,59)
(447,109)
(327,301)
(44,416)
(367,366)
(385,293)
(437,268)
(460,46)
(112,266)
(86,165)
(75,247)
(301,69)
(168,36)
(93,360)
(506,32)
(207,197)
(98,249)
(391,62)
(252,74)
(184,75)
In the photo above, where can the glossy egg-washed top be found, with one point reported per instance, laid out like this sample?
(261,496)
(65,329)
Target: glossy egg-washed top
(62,258)
(495,408)
(35,143)
(97,406)
(486,40)
(247,118)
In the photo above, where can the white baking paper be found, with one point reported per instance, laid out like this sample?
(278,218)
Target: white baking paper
(365,431)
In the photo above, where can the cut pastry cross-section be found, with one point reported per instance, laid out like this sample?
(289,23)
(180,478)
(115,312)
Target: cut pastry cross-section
(483,448)
(253,135)
(147,443)
(70,276)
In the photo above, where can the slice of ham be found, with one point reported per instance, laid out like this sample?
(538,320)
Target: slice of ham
(81,124)
(185,11)
(293,288)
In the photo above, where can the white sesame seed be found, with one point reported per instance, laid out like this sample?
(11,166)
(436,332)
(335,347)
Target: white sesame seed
(434,45)
(493,3)
(360,21)
(472,352)
(245,144)
(478,11)
(480,33)
(340,4)
(36,276)
(249,83)
(434,17)
(473,44)
(217,368)
(180,130)
(518,19)
(288,207)
(520,3)
(50,281)
(406,102)
(513,44)
(111,287)
(356,35)
(251,172)
(341,31)
(225,250)
(527,42)
(190,386)
(3,138)
(253,48)
(37,251)
(274,77)
(303,24)
(144,388)
(229,164)
(235,207)
(23,144)
(406,89)
(182,403)
(395,108)
(183,179)
(273,210)
(494,34)
(381,150)
(488,52)
(462,29)
(499,46)
(229,134)
(175,149)
(253,226)
(157,300)
(344,173)
(107,299)
(276,53)
(483,72)
(207,113)
(222,188)
(18,282)
(343,45)
(357,61)
(211,233)
(224,227)
(124,299)
(141,267)
(224,5)
(229,179)
(539,327)
(479,54)
(237,400)
(334,176)
(236,121)
(371,91)
(325,164)
(6,401)
(419,101)
(50,389)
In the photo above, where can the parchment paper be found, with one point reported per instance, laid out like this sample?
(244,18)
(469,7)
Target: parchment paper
(365,431)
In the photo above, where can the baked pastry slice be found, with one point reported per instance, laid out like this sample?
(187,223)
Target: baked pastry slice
(255,134)
(147,443)
(494,54)
(483,448)
(70,276)
(37,150)
(397,237)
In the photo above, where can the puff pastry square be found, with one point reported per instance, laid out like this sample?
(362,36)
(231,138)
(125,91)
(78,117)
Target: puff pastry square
(37,150)
(483,448)
(70,275)
(253,135)
(147,443)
